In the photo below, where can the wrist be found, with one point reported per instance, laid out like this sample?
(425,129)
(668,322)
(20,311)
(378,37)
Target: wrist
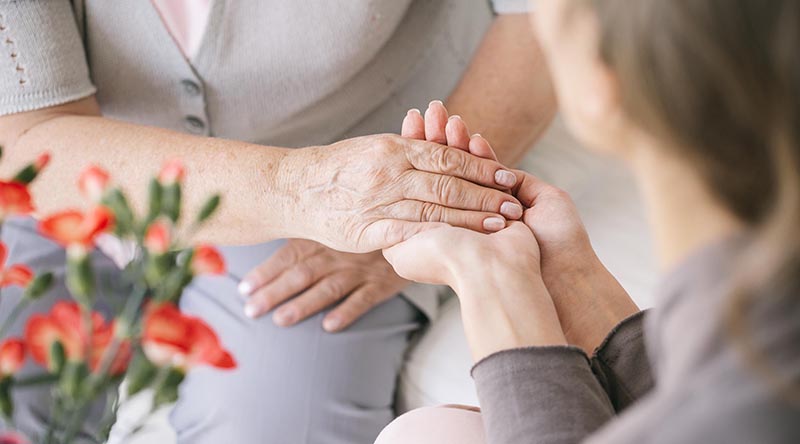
(296,169)
(590,302)
(507,311)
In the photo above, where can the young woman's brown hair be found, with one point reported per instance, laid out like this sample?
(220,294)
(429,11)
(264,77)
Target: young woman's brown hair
(727,94)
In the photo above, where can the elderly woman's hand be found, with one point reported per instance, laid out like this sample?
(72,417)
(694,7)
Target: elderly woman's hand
(305,277)
(369,193)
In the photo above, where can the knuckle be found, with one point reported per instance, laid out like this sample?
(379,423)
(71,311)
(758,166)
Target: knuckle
(303,274)
(384,143)
(429,212)
(560,194)
(446,160)
(489,200)
(332,289)
(447,189)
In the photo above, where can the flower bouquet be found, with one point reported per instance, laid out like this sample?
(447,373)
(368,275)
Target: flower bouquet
(145,339)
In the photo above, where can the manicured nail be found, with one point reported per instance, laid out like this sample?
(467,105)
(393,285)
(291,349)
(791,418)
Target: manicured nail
(331,323)
(494,224)
(511,210)
(454,116)
(285,316)
(245,287)
(505,178)
(435,101)
(414,111)
(251,311)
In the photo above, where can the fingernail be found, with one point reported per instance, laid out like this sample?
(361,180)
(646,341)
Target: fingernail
(245,287)
(494,224)
(284,316)
(454,116)
(414,111)
(251,311)
(511,210)
(331,324)
(505,178)
(436,101)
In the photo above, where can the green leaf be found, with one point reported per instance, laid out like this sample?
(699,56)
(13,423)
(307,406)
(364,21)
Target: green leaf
(26,175)
(208,208)
(72,379)
(58,358)
(171,201)
(6,403)
(155,191)
(80,279)
(167,392)
(141,373)
(39,286)
(115,200)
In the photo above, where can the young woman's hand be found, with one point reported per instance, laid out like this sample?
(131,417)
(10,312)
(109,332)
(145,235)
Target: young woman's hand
(589,300)
(504,302)
(304,278)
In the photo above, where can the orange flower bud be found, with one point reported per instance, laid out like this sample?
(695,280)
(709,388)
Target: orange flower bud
(65,325)
(93,182)
(14,199)
(207,260)
(17,274)
(157,240)
(74,228)
(13,438)
(172,172)
(171,338)
(41,161)
(12,356)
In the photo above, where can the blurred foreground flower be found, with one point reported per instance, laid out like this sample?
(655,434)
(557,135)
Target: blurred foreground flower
(17,274)
(148,340)
(171,338)
(12,356)
(65,325)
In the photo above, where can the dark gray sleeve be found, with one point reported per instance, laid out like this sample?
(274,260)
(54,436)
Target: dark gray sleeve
(621,364)
(42,60)
(542,395)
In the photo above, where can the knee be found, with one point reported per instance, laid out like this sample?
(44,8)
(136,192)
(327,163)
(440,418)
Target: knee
(435,425)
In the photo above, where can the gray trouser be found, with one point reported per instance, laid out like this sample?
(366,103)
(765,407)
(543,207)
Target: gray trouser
(292,385)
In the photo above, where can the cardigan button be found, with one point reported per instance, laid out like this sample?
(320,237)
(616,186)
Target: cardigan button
(191,88)
(194,124)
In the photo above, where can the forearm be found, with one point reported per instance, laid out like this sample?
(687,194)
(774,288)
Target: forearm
(506,94)
(256,204)
(503,310)
(590,302)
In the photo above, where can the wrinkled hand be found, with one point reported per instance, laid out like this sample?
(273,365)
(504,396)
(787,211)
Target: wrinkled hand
(304,278)
(369,193)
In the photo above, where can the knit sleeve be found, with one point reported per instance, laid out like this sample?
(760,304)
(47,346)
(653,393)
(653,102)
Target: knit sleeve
(511,6)
(42,59)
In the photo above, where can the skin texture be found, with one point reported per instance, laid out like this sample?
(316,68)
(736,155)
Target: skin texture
(506,92)
(266,190)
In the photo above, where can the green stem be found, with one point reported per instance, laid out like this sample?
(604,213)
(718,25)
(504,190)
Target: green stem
(77,419)
(15,313)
